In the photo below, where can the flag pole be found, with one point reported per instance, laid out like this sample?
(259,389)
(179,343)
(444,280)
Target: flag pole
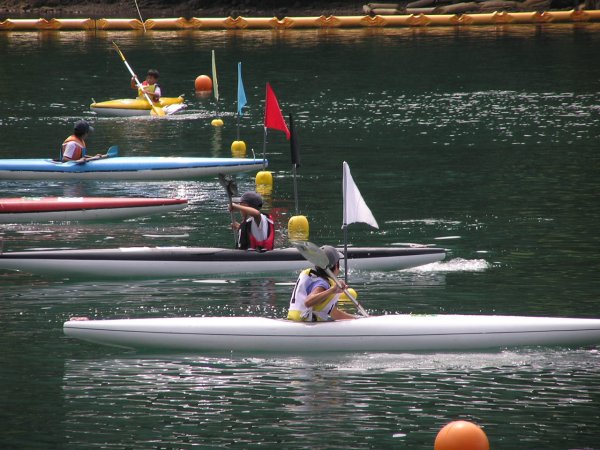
(216,121)
(265,126)
(264,147)
(295,189)
(345,224)
(295,159)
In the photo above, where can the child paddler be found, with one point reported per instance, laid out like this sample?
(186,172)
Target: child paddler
(315,295)
(257,230)
(149,86)
(74,147)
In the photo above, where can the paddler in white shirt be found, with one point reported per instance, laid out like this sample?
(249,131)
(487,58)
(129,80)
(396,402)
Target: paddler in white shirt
(315,295)
(74,147)
(257,230)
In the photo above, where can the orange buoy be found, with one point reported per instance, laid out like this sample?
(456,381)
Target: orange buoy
(461,435)
(203,83)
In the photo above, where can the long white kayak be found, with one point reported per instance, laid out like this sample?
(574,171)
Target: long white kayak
(43,209)
(391,333)
(126,168)
(169,262)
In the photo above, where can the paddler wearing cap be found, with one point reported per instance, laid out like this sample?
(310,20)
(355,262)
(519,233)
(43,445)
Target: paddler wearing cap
(74,147)
(315,296)
(257,230)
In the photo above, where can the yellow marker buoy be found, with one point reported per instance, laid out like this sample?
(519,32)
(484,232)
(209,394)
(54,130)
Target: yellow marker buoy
(203,83)
(298,228)
(238,149)
(266,190)
(345,300)
(461,435)
(264,177)
(217,123)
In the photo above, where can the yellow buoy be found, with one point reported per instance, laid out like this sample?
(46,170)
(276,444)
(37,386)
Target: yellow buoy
(217,123)
(238,149)
(203,83)
(298,228)
(266,190)
(461,435)
(344,299)
(264,177)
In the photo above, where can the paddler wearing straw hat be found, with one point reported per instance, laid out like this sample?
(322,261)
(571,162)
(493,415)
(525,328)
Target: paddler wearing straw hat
(315,296)
(257,230)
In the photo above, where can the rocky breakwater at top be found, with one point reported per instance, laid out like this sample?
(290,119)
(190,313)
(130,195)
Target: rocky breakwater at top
(477,7)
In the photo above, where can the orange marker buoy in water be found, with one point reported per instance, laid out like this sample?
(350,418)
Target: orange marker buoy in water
(461,435)
(203,83)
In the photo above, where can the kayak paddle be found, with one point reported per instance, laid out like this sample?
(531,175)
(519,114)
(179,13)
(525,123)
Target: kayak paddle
(113,151)
(318,257)
(156,110)
(231,188)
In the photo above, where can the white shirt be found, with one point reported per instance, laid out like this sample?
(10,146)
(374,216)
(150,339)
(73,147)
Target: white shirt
(70,149)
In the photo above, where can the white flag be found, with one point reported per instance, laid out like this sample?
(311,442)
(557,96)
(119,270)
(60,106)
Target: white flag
(355,208)
(214,74)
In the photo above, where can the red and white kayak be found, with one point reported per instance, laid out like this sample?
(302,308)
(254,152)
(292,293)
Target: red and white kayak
(42,209)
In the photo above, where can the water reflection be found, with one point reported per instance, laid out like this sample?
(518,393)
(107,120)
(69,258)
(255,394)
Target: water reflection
(381,397)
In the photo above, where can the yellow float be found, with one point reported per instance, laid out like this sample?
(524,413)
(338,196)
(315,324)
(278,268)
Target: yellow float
(229,23)
(119,24)
(298,229)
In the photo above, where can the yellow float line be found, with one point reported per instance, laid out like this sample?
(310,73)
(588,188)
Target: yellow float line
(243,23)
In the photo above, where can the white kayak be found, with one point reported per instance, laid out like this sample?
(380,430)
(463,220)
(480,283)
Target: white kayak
(391,333)
(43,209)
(169,262)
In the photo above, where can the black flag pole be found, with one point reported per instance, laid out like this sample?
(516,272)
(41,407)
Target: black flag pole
(295,150)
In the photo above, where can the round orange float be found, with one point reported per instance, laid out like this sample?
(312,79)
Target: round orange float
(461,435)
(203,83)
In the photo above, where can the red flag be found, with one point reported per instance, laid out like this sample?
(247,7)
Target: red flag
(273,117)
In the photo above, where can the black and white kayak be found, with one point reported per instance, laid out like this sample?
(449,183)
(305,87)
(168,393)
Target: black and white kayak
(169,262)
(126,168)
(390,333)
(43,209)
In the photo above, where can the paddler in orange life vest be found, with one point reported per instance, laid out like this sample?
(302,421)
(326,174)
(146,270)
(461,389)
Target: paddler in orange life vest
(257,230)
(74,147)
(149,86)
(315,295)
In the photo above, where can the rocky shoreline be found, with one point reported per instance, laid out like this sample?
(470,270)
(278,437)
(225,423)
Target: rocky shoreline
(154,9)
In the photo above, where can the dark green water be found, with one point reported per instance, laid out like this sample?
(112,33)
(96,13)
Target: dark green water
(482,140)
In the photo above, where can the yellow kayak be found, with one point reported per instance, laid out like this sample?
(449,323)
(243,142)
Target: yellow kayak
(137,106)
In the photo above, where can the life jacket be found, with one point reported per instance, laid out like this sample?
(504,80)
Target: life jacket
(149,87)
(298,311)
(247,240)
(80,148)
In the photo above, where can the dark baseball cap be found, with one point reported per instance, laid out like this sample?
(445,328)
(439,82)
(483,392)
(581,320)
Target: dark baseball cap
(250,198)
(82,127)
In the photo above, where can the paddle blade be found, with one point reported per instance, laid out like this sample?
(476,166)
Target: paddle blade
(112,151)
(311,252)
(157,111)
(118,50)
(229,184)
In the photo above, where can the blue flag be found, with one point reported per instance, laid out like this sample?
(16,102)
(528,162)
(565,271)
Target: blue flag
(241,93)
